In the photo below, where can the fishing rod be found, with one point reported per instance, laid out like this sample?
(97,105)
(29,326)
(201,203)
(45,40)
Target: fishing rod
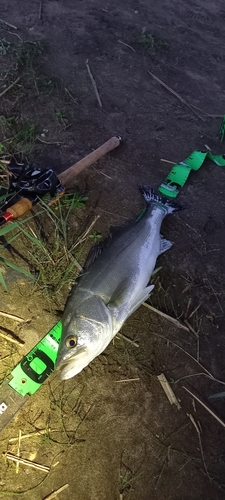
(29,183)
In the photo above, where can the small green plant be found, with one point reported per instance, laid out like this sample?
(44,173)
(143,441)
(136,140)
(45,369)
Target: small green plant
(28,53)
(43,82)
(19,137)
(61,118)
(73,200)
(59,115)
(53,251)
(95,236)
(126,479)
(4,47)
(6,123)
(25,137)
(3,231)
(150,42)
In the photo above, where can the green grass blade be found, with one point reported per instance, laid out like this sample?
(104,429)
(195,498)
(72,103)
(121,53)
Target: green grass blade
(6,229)
(217,395)
(156,270)
(34,240)
(2,282)
(11,239)
(16,268)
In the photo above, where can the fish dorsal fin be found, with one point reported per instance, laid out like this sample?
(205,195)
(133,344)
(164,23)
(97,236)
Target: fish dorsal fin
(95,251)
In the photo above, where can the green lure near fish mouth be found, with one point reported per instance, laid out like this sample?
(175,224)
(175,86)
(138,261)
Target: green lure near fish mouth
(113,285)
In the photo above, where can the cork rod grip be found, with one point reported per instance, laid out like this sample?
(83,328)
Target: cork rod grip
(20,208)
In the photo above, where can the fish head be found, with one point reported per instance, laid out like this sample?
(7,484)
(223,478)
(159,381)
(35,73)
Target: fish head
(84,337)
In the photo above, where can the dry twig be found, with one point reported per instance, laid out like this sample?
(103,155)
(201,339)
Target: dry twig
(176,95)
(40,10)
(47,142)
(18,451)
(165,461)
(56,492)
(93,83)
(191,328)
(205,406)
(25,461)
(127,380)
(127,339)
(10,87)
(126,45)
(31,434)
(11,339)
(12,316)
(166,316)
(168,390)
(168,161)
(8,24)
(207,373)
(86,232)
(70,95)
(196,426)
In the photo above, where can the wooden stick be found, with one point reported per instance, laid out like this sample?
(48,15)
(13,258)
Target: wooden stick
(18,451)
(205,406)
(12,316)
(56,492)
(10,87)
(11,339)
(67,177)
(168,390)
(166,316)
(93,83)
(127,380)
(25,461)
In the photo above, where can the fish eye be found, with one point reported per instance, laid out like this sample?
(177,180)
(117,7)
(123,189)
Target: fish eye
(71,341)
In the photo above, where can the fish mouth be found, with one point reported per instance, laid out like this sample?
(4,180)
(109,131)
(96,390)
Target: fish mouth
(64,359)
(74,364)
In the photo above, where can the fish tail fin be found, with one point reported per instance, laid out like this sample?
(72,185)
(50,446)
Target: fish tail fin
(151,196)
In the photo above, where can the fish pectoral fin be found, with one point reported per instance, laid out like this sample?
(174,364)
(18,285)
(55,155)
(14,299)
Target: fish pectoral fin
(141,297)
(120,313)
(164,245)
(120,294)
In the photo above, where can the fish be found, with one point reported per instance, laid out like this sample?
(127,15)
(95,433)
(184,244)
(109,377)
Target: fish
(113,285)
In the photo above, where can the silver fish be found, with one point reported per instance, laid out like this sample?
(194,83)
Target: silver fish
(113,286)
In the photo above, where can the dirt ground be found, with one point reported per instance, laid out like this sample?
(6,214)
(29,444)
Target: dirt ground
(110,432)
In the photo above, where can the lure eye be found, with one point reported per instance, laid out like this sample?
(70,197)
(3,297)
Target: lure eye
(71,341)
